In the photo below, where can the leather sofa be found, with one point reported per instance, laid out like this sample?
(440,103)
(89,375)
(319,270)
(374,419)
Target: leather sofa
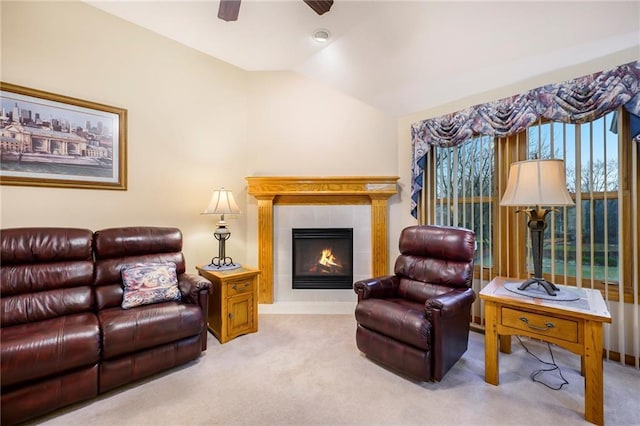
(416,322)
(65,337)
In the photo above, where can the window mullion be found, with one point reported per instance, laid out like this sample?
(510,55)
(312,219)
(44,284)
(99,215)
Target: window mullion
(578,172)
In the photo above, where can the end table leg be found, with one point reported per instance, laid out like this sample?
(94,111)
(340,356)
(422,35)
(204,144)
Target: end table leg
(491,344)
(505,344)
(593,385)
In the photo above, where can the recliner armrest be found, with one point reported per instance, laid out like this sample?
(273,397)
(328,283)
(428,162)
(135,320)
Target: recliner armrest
(191,285)
(449,304)
(450,315)
(378,288)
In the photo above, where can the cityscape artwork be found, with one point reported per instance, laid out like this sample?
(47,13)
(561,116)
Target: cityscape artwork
(54,140)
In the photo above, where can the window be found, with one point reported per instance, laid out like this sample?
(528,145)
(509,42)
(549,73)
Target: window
(464,195)
(583,244)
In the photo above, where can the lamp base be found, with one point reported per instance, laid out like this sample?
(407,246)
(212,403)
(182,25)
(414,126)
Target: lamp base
(223,264)
(231,267)
(549,287)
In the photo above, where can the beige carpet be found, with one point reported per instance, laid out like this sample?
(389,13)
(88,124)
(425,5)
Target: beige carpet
(306,370)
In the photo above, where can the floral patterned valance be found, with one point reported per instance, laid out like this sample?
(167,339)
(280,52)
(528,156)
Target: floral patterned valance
(577,101)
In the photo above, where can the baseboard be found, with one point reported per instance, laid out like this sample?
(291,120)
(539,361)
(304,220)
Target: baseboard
(327,308)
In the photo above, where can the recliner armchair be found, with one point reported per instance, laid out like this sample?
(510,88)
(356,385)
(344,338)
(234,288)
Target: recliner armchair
(416,321)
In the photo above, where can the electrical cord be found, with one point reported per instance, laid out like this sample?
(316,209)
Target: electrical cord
(535,374)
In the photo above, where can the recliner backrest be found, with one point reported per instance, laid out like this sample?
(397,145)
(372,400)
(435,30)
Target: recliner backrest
(45,273)
(436,255)
(117,247)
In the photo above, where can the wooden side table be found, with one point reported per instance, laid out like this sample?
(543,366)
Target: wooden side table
(233,304)
(573,326)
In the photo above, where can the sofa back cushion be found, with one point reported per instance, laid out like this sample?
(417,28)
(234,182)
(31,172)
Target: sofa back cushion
(44,273)
(116,248)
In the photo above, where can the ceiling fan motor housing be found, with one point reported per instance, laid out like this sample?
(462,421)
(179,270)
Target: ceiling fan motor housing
(229,9)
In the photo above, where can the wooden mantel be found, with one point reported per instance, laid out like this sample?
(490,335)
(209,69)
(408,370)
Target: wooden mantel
(335,190)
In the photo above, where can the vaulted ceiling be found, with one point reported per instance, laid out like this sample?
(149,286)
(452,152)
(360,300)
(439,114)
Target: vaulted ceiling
(399,56)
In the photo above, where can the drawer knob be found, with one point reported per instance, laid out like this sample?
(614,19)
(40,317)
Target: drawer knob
(548,325)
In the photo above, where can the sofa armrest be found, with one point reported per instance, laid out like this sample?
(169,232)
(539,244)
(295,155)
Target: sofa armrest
(191,285)
(378,288)
(196,289)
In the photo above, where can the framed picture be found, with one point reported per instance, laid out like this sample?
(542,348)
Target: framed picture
(54,140)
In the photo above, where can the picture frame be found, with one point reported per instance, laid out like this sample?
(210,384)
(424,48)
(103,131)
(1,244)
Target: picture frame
(52,140)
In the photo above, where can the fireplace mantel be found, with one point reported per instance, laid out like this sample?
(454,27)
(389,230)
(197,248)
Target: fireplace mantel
(334,190)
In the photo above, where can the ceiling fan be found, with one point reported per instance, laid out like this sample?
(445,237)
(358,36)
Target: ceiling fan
(228,10)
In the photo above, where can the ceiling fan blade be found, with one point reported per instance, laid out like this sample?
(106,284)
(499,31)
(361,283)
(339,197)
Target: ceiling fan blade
(228,10)
(319,6)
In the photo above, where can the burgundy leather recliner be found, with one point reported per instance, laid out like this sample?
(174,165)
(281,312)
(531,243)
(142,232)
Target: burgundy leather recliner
(416,321)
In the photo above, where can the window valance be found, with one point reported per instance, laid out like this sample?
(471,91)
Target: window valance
(576,101)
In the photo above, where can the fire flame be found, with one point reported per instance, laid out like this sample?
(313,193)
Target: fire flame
(328,259)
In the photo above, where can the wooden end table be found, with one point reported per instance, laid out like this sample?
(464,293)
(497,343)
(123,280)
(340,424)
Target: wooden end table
(233,304)
(576,327)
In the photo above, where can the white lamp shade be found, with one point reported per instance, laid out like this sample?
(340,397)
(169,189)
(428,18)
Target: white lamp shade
(222,202)
(537,182)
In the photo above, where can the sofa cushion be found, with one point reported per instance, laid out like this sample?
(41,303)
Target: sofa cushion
(45,273)
(400,319)
(45,348)
(137,241)
(129,330)
(147,283)
(117,247)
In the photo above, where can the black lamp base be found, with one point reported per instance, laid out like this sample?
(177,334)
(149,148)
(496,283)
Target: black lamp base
(549,287)
(537,225)
(223,263)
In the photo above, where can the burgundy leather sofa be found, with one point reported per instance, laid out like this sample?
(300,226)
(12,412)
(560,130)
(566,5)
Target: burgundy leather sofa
(416,322)
(65,338)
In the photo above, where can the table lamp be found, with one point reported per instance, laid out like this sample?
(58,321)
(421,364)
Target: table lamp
(222,203)
(537,183)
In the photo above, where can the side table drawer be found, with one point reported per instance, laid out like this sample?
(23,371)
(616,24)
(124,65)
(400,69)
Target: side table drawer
(239,287)
(543,325)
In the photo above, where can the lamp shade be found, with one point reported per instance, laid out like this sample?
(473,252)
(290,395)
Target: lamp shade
(537,182)
(222,202)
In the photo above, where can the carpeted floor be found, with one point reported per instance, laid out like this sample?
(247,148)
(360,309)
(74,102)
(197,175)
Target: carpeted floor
(306,370)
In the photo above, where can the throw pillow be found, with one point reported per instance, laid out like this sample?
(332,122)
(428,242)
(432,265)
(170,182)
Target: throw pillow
(146,283)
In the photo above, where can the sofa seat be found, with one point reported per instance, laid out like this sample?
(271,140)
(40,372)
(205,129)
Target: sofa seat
(51,347)
(400,319)
(126,331)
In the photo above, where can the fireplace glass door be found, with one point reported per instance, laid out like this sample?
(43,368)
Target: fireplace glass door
(322,258)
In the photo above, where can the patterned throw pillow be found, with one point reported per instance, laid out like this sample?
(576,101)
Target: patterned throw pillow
(146,283)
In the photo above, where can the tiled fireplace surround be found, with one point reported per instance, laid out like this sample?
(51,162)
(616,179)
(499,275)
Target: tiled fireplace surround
(325,202)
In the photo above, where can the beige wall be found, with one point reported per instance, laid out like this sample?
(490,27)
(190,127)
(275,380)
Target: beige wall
(195,123)
(184,110)
(301,128)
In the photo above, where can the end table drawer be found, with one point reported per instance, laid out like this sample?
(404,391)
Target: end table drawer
(543,325)
(239,287)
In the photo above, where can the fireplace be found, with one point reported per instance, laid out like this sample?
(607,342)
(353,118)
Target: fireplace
(322,258)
